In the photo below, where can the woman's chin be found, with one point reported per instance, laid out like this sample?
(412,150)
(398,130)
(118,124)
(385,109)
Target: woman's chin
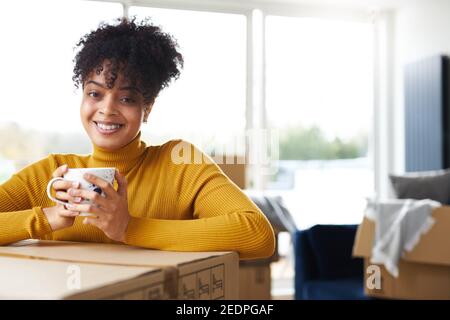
(107,143)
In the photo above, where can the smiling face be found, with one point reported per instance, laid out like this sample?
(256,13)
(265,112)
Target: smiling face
(112,117)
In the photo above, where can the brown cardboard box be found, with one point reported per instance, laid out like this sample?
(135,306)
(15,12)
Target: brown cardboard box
(424,273)
(235,168)
(48,279)
(255,280)
(45,269)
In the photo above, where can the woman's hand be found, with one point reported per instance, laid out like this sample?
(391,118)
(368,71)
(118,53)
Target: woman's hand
(58,216)
(112,216)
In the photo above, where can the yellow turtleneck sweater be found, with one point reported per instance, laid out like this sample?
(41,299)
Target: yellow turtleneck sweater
(174,206)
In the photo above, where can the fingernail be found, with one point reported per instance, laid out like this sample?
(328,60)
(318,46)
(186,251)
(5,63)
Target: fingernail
(64,166)
(87,175)
(75,184)
(77,199)
(70,206)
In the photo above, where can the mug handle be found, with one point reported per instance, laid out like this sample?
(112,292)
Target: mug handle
(49,193)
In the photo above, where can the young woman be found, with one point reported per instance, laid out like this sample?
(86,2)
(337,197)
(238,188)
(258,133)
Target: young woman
(158,203)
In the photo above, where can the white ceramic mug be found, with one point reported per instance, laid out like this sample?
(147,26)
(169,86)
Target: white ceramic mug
(76,175)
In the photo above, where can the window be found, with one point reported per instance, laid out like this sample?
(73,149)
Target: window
(40,106)
(206,105)
(319,97)
(318,94)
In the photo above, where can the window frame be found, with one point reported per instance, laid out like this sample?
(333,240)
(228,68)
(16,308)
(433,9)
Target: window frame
(382,150)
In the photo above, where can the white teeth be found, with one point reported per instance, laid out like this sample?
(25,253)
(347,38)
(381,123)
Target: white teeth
(108,127)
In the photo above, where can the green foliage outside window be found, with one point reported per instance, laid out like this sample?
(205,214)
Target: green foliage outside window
(299,143)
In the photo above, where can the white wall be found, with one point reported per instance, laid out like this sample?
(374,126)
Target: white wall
(421,29)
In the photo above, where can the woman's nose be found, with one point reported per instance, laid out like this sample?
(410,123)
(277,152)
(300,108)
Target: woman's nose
(107,107)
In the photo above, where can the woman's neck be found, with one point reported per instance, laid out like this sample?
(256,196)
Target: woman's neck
(123,159)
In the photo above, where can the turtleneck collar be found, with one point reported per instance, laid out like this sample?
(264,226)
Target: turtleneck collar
(123,159)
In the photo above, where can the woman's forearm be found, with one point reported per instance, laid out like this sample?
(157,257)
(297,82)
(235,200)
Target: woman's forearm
(21,225)
(248,233)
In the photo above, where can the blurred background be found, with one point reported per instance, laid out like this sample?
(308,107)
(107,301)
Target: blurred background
(325,76)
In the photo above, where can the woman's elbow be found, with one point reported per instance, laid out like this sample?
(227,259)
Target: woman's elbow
(262,241)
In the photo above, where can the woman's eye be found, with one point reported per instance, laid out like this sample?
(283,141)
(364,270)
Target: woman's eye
(127,100)
(93,94)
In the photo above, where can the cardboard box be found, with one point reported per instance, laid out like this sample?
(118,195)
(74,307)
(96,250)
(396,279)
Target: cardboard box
(255,280)
(47,269)
(424,273)
(47,279)
(235,168)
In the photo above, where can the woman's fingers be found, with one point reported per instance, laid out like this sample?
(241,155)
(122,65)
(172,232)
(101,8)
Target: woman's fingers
(88,195)
(87,208)
(122,183)
(61,186)
(68,213)
(65,185)
(64,196)
(59,172)
(106,187)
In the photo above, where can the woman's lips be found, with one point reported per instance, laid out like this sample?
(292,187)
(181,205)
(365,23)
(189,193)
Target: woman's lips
(107,128)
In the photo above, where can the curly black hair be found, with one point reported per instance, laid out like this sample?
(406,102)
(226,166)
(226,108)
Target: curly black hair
(145,55)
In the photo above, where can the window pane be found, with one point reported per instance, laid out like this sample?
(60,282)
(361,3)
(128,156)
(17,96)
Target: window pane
(40,106)
(206,105)
(319,96)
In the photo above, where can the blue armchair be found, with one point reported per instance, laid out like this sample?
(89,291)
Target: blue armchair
(324,266)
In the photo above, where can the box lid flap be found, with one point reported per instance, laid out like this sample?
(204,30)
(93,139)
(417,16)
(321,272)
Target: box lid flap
(102,253)
(364,238)
(433,246)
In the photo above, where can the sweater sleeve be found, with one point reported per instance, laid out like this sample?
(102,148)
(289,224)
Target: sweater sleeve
(224,218)
(21,216)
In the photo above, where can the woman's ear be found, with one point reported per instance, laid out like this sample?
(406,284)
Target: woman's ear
(147,110)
